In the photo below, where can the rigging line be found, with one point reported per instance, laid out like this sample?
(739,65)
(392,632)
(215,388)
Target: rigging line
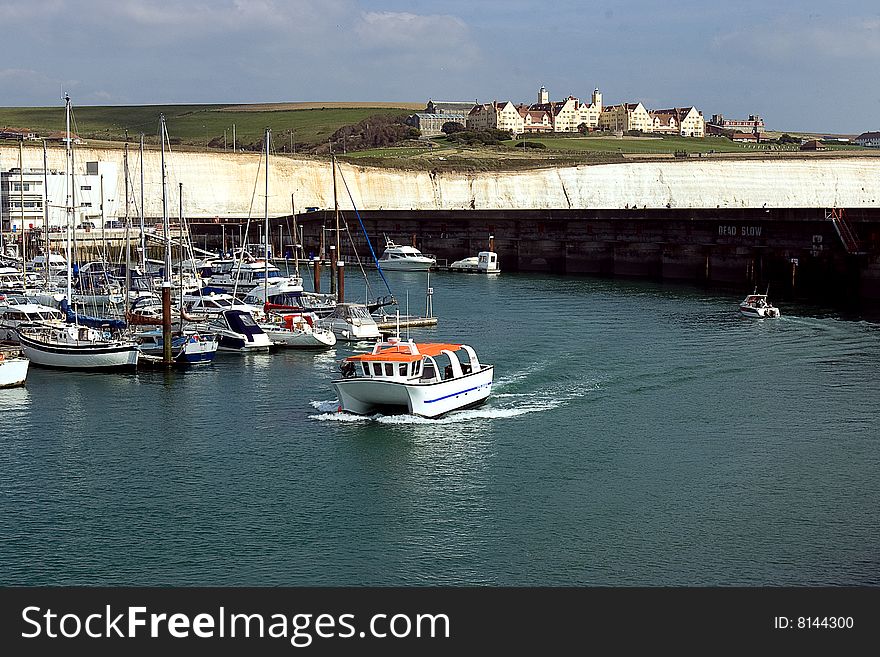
(367,237)
(357,257)
(247,228)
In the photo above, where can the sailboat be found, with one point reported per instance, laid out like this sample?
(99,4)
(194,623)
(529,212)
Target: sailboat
(288,330)
(187,347)
(85,343)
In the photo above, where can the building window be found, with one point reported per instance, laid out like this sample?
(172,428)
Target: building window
(86,188)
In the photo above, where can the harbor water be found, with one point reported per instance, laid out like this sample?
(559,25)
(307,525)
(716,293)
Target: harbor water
(638,434)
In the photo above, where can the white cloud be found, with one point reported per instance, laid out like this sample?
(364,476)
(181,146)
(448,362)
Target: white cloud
(396,30)
(792,41)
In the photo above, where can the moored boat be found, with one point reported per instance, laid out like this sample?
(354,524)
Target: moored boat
(405,258)
(352,322)
(486,262)
(186,349)
(76,347)
(13,370)
(298,331)
(426,379)
(237,331)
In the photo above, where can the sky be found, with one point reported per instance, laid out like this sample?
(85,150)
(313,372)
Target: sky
(810,65)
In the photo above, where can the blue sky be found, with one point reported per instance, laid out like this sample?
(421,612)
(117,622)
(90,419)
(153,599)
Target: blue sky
(808,66)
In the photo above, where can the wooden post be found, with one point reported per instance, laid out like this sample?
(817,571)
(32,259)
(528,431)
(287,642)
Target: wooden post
(340,281)
(332,269)
(166,322)
(316,273)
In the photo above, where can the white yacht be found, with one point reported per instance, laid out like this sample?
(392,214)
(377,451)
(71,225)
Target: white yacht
(214,303)
(299,331)
(352,322)
(405,258)
(245,275)
(17,310)
(486,262)
(426,379)
(288,296)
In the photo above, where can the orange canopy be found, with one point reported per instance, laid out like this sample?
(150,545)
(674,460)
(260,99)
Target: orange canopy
(400,353)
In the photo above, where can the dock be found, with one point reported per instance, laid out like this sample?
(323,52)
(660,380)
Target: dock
(390,323)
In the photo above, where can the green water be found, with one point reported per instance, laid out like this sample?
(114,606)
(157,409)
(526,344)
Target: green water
(638,434)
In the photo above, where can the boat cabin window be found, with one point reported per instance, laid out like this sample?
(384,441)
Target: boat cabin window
(377,369)
(366,368)
(389,369)
(428,372)
(416,368)
(403,369)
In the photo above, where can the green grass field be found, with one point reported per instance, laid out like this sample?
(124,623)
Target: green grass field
(195,125)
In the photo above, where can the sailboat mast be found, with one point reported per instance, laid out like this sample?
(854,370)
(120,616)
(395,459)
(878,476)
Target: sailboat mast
(46,211)
(334,251)
(68,191)
(295,236)
(166,282)
(266,225)
(143,245)
(127,232)
(166,233)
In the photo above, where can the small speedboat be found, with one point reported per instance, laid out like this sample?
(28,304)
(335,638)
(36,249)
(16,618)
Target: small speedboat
(13,370)
(427,379)
(486,262)
(189,348)
(756,305)
(405,258)
(298,330)
(237,330)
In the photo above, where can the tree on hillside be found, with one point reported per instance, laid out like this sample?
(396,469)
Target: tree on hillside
(451,127)
(376,131)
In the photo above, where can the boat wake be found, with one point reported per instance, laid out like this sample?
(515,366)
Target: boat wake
(499,406)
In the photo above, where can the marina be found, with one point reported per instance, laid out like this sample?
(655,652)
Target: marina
(636,444)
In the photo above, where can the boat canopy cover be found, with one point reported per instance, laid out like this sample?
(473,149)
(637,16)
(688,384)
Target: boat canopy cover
(95,322)
(241,322)
(402,352)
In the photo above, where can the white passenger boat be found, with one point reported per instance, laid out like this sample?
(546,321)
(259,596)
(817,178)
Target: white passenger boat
(298,331)
(756,305)
(352,322)
(486,262)
(13,370)
(426,379)
(405,258)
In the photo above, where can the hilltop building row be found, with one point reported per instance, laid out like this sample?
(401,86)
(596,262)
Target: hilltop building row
(568,115)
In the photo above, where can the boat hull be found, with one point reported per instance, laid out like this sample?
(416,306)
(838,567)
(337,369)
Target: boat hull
(407,264)
(13,372)
(758,313)
(301,339)
(367,396)
(120,356)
